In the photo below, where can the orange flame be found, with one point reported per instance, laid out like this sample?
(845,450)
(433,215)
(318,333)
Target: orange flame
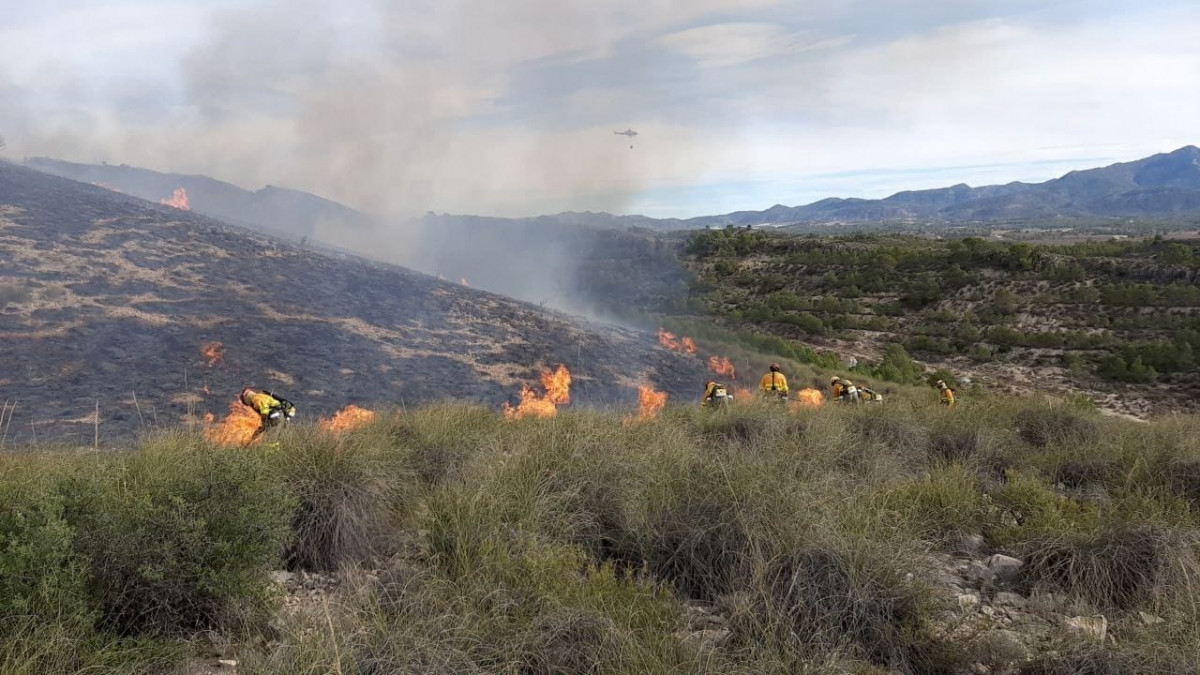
(178,199)
(441,277)
(721,365)
(206,389)
(650,403)
(214,352)
(239,428)
(465,282)
(808,398)
(350,417)
(676,344)
(668,340)
(558,392)
(208,418)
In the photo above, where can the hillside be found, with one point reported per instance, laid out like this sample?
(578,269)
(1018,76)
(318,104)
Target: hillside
(106,299)
(1117,320)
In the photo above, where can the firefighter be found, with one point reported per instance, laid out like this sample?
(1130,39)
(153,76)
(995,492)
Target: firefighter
(273,409)
(947,394)
(870,395)
(849,392)
(837,387)
(716,395)
(774,383)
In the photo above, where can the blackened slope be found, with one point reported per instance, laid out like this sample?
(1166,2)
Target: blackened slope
(292,213)
(105,295)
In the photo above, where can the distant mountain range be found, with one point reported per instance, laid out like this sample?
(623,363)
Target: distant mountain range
(1162,187)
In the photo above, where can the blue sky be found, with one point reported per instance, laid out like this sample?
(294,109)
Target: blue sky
(475,106)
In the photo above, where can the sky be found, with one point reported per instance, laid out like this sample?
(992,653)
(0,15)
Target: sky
(508,108)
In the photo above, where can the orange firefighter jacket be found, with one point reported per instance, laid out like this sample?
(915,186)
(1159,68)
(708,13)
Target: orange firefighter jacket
(838,388)
(948,396)
(774,382)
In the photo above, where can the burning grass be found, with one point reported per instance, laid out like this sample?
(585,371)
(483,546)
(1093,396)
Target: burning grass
(350,417)
(556,386)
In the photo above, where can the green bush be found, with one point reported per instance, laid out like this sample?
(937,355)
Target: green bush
(178,535)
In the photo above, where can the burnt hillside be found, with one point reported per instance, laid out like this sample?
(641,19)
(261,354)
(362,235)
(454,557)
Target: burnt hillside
(104,296)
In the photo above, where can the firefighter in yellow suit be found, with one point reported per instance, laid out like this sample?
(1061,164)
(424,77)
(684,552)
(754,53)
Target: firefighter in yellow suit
(774,383)
(947,394)
(273,410)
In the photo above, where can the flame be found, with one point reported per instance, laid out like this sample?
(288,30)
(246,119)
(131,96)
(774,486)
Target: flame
(106,186)
(441,277)
(668,340)
(206,390)
(676,344)
(558,392)
(465,282)
(239,428)
(808,398)
(214,352)
(208,418)
(721,365)
(650,403)
(558,385)
(350,417)
(178,199)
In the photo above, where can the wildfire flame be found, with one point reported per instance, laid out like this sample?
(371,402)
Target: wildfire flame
(650,403)
(214,352)
(465,282)
(350,417)
(441,277)
(676,344)
(809,398)
(668,340)
(557,387)
(238,428)
(106,186)
(178,199)
(721,365)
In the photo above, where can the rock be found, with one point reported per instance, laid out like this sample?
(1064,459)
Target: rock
(1005,599)
(1003,568)
(1150,619)
(967,602)
(280,577)
(696,645)
(226,663)
(1091,627)
(968,544)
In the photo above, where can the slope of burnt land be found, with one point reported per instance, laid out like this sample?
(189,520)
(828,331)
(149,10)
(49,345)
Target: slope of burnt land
(104,297)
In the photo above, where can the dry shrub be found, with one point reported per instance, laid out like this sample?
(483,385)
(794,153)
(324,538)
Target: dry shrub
(1185,480)
(1078,474)
(1116,567)
(821,598)
(348,494)
(953,445)
(697,540)
(565,642)
(1042,426)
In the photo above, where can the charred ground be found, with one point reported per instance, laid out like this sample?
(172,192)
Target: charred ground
(104,297)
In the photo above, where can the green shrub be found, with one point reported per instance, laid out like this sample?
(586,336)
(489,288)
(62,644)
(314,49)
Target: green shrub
(178,535)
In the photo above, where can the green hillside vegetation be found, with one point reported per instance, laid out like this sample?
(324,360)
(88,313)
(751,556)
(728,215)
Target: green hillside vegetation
(1123,311)
(755,540)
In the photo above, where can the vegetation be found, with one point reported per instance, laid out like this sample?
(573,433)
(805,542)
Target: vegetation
(751,540)
(1122,311)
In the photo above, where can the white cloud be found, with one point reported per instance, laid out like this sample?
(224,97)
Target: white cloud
(730,44)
